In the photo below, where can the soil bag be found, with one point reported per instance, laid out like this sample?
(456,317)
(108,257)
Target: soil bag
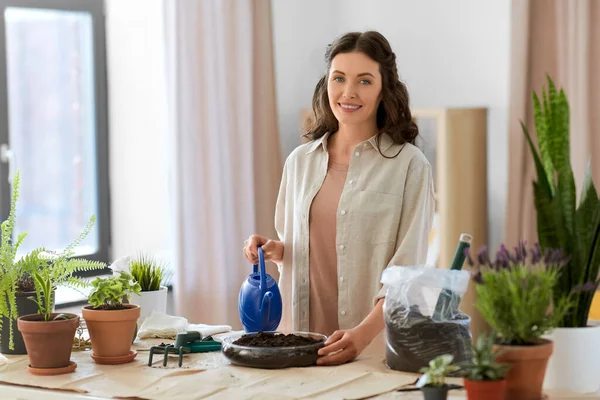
(422,318)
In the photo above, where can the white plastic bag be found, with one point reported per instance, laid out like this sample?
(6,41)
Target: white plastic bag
(422,317)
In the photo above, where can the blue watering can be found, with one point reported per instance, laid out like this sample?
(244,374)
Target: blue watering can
(260,302)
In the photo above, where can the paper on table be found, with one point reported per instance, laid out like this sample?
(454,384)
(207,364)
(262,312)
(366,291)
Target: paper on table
(210,375)
(159,325)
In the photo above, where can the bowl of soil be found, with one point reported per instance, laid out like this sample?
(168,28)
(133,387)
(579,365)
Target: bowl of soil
(274,350)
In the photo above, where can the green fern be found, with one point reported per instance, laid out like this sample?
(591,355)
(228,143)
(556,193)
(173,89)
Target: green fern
(57,268)
(561,222)
(10,269)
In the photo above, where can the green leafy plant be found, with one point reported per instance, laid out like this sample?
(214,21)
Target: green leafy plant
(110,293)
(15,275)
(515,292)
(561,222)
(435,374)
(51,269)
(148,272)
(482,365)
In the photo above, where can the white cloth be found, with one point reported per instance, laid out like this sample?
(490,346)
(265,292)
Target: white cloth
(159,325)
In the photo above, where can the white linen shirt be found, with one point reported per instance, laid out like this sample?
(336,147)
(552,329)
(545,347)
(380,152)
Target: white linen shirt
(385,215)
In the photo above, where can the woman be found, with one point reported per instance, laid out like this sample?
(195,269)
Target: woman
(356,199)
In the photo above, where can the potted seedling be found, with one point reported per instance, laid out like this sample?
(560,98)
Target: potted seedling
(151,275)
(484,377)
(48,336)
(515,297)
(433,381)
(110,319)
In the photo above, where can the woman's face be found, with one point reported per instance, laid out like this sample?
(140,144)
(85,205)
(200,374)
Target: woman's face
(354,88)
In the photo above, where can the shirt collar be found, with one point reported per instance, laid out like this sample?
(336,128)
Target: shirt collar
(385,142)
(322,141)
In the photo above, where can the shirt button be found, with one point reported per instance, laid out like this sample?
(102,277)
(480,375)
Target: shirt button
(350,182)
(357,154)
(304,281)
(343,312)
(341,278)
(343,212)
(342,247)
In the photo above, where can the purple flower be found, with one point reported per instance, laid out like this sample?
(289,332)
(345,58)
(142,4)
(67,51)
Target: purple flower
(586,287)
(467,253)
(483,257)
(477,277)
(536,253)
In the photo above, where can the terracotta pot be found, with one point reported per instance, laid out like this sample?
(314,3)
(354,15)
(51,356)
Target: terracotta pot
(528,368)
(111,330)
(485,390)
(48,343)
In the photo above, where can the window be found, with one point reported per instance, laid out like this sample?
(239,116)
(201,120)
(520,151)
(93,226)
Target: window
(53,122)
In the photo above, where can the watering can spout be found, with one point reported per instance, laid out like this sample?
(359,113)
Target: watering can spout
(265,308)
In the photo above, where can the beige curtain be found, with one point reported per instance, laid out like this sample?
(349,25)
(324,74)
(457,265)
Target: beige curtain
(560,38)
(226,155)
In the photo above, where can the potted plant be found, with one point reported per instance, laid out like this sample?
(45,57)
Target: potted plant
(575,228)
(484,377)
(16,282)
(515,297)
(433,381)
(48,336)
(110,321)
(151,275)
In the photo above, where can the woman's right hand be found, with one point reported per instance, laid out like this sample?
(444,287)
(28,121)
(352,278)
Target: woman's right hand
(273,249)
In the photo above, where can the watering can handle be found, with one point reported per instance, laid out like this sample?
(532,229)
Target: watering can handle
(263,270)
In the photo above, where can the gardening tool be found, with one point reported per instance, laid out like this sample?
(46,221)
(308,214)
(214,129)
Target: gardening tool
(185,342)
(447,297)
(259,302)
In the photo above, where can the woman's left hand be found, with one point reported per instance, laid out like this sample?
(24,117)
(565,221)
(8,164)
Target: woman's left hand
(343,346)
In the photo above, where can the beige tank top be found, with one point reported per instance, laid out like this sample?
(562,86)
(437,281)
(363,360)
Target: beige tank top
(323,305)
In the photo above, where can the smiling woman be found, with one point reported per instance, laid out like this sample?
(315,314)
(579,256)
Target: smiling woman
(355,200)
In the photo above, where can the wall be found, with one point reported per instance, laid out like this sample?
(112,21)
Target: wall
(450,54)
(138,123)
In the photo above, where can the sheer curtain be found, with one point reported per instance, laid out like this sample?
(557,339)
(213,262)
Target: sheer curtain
(562,39)
(226,163)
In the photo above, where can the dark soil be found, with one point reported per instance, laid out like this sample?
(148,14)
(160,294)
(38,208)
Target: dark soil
(414,339)
(274,351)
(111,307)
(265,339)
(25,284)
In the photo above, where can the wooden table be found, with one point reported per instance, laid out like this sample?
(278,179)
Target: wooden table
(211,376)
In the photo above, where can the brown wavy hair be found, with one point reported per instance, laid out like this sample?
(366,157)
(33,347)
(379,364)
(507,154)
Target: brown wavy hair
(393,114)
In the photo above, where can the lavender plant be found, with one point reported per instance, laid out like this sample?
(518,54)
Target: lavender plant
(516,291)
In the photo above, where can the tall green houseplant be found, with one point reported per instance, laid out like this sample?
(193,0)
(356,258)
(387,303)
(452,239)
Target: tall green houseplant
(561,222)
(9,267)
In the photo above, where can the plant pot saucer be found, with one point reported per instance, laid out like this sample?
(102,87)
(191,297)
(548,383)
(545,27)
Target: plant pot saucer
(53,371)
(115,360)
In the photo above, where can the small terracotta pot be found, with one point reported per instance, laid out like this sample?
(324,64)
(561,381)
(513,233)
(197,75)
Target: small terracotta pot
(528,368)
(111,330)
(49,343)
(485,390)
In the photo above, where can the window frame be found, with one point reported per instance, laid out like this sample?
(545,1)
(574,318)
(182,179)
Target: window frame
(96,8)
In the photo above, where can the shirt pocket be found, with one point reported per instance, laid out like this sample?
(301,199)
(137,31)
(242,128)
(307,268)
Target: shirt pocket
(377,217)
